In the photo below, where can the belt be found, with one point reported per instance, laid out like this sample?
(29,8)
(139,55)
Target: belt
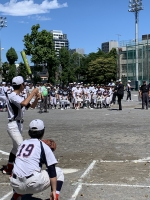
(15,176)
(18,121)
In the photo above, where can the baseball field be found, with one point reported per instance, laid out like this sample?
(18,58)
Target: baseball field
(104,153)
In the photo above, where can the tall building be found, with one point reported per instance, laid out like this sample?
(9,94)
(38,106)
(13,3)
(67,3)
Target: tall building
(78,50)
(107,46)
(146,37)
(60,40)
(126,60)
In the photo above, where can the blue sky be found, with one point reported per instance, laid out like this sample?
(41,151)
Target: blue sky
(87,23)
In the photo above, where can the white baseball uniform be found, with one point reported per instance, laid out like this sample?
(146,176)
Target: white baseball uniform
(27,176)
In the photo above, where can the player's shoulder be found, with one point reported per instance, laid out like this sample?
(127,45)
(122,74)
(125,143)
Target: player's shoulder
(13,95)
(45,146)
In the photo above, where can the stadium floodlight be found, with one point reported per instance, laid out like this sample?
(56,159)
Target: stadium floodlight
(135,6)
(3,22)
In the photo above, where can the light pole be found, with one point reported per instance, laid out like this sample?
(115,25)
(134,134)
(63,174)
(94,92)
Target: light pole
(118,39)
(135,6)
(3,23)
(1,56)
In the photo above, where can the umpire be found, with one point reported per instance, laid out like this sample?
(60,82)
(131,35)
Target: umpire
(120,93)
(144,94)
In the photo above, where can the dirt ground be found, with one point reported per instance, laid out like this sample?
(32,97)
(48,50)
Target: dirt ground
(105,153)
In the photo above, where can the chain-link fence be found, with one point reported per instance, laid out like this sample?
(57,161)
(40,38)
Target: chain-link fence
(143,62)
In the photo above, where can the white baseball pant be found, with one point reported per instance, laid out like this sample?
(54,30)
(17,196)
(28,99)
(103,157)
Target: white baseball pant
(14,130)
(53,101)
(39,182)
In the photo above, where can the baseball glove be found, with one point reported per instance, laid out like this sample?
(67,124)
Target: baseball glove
(50,143)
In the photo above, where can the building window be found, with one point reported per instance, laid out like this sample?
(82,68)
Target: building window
(124,68)
(124,55)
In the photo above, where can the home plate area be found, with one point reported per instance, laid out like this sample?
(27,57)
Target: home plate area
(117,180)
(100,180)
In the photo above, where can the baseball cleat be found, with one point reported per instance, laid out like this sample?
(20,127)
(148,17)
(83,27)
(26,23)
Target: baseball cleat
(16,196)
(8,169)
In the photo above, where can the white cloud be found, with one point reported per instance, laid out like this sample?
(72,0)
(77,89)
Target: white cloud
(42,18)
(23,22)
(29,7)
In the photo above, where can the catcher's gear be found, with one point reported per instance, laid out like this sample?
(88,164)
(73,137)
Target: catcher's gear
(50,143)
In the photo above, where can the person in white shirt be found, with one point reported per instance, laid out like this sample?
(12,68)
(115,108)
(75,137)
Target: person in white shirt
(78,99)
(8,89)
(30,89)
(94,96)
(73,94)
(27,175)
(111,83)
(15,104)
(88,92)
(128,88)
(91,87)
(2,96)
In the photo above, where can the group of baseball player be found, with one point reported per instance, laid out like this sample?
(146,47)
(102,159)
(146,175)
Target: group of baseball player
(75,95)
(27,157)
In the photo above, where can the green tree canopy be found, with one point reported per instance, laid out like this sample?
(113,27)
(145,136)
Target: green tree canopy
(76,61)
(21,71)
(64,59)
(102,69)
(8,71)
(39,45)
(12,56)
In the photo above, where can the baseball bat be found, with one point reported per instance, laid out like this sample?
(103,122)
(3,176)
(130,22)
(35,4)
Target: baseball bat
(26,64)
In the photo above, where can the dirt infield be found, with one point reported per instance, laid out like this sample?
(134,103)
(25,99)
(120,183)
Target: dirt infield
(104,152)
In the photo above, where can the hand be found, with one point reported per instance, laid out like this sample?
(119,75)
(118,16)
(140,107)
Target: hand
(53,195)
(36,91)
(38,95)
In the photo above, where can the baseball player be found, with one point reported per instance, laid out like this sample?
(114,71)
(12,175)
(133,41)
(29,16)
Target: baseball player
(15,104)
(2,96)
(53,96)
(59,95)
(28,176)
(65,101)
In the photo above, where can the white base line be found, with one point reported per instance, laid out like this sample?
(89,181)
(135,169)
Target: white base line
(116,185)
(74,196)
(126,161)
(5,153)
(4,183)
(88,169)
(7,195)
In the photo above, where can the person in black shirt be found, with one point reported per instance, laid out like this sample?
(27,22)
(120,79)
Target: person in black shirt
(120,94)
(115,92)
(144,94)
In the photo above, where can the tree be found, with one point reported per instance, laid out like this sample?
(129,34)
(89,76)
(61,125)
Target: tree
(76,61)
(40,46)
(8,71)
(112,53)
(21,71)
(101,62)
(12,56)
(102,69)
(66,74)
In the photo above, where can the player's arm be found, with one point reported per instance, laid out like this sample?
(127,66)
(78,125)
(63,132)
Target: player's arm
(26,101)
(53,188)
(53,181)
(37,97)
(141,92)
